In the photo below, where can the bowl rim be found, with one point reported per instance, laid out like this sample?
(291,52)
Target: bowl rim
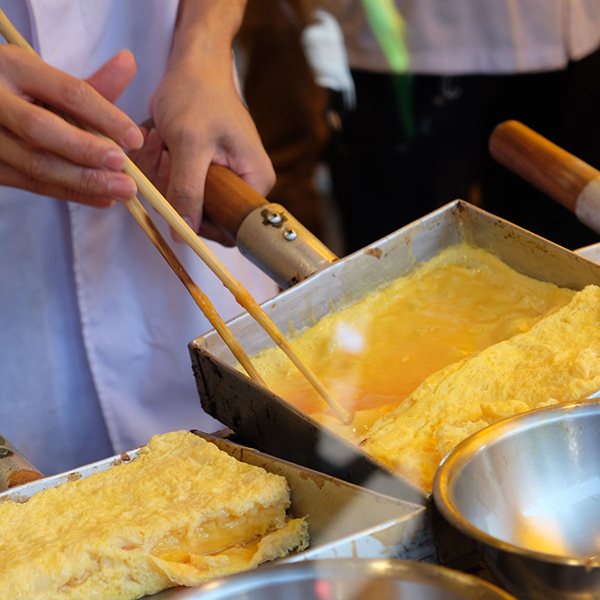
(469,448)
(409,571)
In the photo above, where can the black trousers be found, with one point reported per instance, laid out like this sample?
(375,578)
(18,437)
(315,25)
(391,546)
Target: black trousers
(417,142)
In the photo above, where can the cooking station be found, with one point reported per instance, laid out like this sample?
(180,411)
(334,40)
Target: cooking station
(356,506)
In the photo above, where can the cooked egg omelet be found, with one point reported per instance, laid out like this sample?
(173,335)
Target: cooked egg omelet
(557,360)
(182,512)
(373,354)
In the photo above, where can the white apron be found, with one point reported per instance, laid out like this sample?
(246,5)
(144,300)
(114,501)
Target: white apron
(94,326)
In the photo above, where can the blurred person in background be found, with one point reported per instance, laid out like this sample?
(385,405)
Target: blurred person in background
(95,326)
(432,80)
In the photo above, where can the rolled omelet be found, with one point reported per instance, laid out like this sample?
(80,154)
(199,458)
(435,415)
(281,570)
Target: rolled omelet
(180,513)
(557,360)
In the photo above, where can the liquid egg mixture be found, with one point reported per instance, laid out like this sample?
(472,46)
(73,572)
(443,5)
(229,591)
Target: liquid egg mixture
(373,354)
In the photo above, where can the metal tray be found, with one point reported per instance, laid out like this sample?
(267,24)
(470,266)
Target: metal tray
(344,520)
(275,426)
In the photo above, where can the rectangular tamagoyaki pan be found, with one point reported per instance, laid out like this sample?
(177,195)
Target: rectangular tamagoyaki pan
(344,520)
(273,425)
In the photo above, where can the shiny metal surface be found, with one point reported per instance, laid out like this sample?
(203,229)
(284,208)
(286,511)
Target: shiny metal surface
(279,245)
(350,579)
(527,489)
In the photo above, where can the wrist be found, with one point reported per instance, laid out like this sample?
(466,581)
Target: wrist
(207,28)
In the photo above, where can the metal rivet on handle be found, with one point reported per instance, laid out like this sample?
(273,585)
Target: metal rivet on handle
(5,452)
(290,235)
(274,218)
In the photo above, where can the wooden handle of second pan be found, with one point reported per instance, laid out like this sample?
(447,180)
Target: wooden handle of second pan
(548,167)
(15,469)
(228,199)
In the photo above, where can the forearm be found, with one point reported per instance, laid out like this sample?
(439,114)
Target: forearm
(207,27)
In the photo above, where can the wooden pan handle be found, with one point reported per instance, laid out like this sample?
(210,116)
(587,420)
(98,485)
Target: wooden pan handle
(548,167)
(15,469)
(228,199)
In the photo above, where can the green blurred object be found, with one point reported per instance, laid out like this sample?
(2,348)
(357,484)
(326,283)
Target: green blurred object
(388,26)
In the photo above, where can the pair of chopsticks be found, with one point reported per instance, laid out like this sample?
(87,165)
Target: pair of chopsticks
(157,200)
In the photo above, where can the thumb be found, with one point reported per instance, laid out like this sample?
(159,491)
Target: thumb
(114,76)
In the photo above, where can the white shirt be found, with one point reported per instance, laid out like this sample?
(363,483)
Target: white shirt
(478,36)
(94,326)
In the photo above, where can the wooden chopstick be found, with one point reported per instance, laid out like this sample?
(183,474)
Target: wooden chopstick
(241,295)
(173,218)
(143,218)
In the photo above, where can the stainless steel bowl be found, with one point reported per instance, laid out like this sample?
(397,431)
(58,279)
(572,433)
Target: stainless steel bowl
(527,489)
(349,579)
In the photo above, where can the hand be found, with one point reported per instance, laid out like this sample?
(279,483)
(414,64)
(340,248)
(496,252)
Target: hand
(200,119)
(41,152)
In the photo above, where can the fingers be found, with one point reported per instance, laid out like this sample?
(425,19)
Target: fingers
(258,173)
(114,76)
(153,160)
(28,74)
(42,128)
(163,173)
(49,168)
(248,159)
(40,151)
(14,178)
(262,179)
(190,160)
